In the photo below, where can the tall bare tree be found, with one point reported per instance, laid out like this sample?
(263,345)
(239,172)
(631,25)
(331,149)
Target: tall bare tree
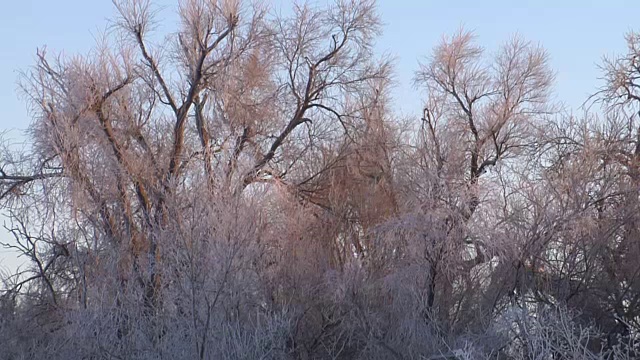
(241,188)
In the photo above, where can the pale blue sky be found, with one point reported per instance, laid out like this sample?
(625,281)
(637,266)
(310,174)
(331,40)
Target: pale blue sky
(576,34)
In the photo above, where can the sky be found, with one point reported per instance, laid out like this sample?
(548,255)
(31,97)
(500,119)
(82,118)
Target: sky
(576,33)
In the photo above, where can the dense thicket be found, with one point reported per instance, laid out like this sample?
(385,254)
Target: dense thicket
(243,189)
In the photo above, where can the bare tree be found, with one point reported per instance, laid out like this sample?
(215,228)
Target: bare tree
(242,188)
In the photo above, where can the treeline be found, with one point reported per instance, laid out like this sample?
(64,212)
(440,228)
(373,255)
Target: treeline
(243,189)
